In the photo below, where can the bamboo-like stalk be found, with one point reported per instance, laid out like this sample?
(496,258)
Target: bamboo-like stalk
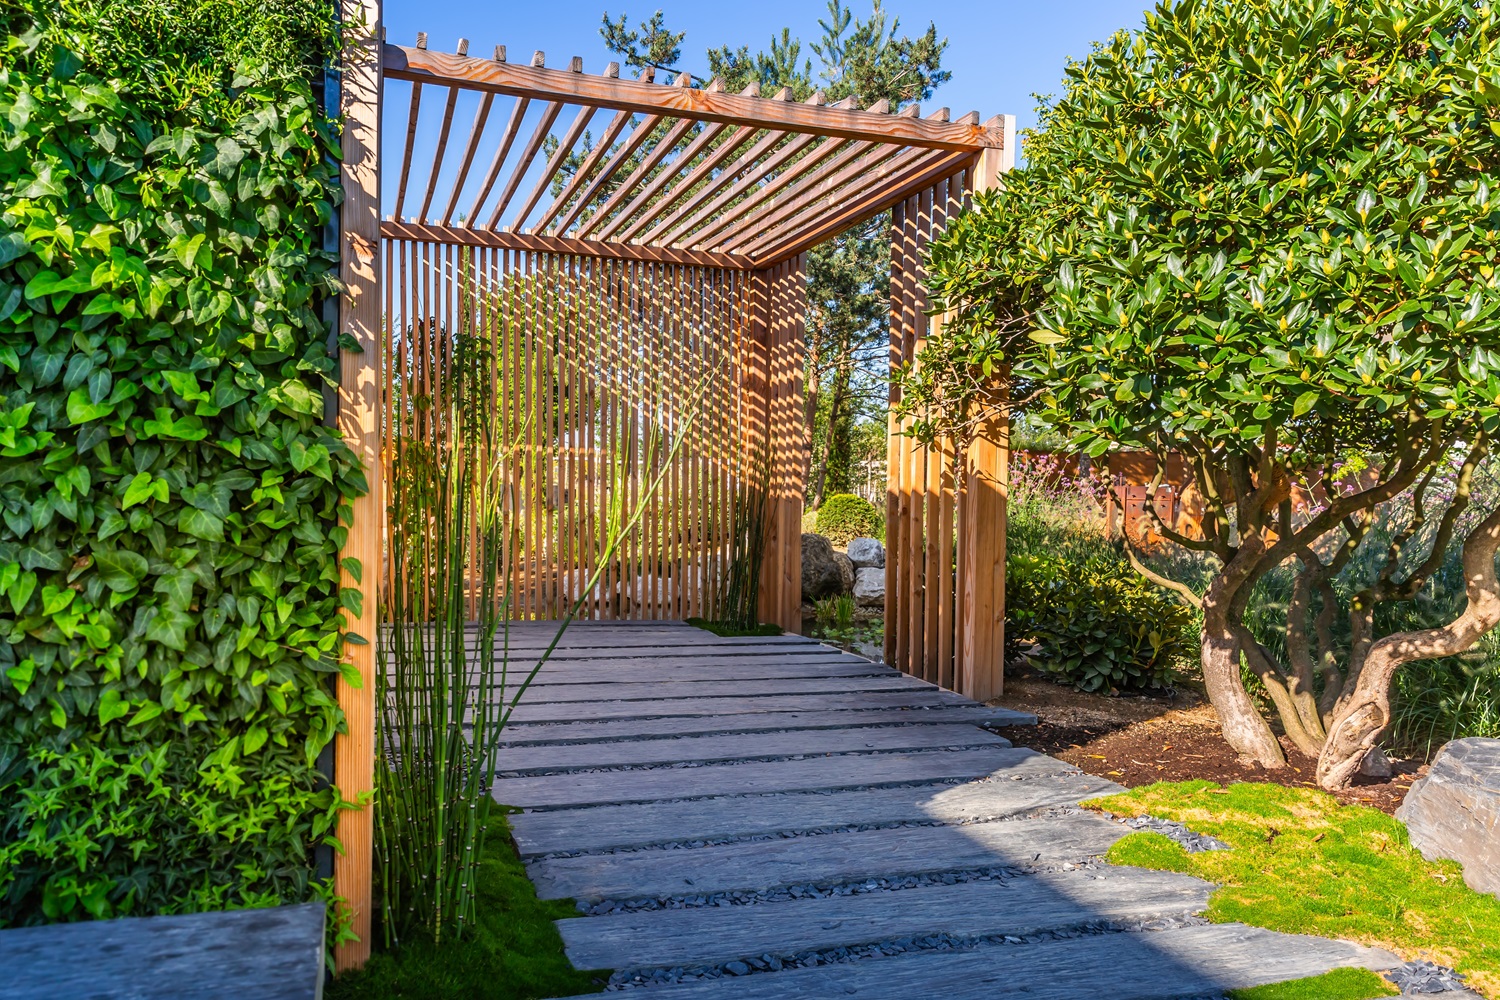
(739,585)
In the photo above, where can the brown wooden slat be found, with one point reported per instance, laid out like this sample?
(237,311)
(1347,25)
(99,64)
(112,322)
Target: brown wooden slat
(518,173)
(537,243)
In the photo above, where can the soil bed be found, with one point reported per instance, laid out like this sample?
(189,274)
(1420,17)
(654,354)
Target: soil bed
(1140,740)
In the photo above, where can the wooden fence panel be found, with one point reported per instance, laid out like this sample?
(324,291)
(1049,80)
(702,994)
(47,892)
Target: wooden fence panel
(596,365)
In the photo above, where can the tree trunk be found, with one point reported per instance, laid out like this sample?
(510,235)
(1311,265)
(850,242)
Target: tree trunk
(1244,728)
(1364,710)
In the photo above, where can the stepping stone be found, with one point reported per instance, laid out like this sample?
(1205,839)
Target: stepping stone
(1029,904)
(741,746)
(527,734)
(1162,965)
(829,859)
(734,704)
(843,771)
(599,828)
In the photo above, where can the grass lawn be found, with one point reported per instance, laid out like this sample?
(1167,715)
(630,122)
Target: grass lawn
(1304,864)
(515,953)
(728,629)
(1340,984)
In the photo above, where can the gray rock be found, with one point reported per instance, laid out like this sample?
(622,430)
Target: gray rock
(1375,764)
(1454,812)
(869,587)
(846,572)
(867,552)
(820,571)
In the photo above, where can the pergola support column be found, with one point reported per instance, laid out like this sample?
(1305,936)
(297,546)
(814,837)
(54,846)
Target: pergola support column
(359,422)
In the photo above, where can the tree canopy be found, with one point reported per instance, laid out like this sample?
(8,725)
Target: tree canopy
(1262,235)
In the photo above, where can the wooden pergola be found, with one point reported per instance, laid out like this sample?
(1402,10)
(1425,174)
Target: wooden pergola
(638,246)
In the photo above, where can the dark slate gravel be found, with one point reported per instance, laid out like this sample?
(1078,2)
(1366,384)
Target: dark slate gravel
(1192,842)
(897,946)
(1426,977)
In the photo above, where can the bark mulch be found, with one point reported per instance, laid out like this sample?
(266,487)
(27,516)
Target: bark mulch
(1140,740)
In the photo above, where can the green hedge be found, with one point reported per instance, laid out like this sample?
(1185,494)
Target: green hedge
(845,517)
(1100,627)
(170,495)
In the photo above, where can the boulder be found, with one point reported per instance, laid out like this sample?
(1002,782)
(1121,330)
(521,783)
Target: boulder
(821,576)
(1454,811)
(869,587)
(1376,764)
(846,572)
(866,552)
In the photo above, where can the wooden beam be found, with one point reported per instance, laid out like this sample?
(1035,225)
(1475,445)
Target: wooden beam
(689,184)
(809,165)
(359,424)
(537,243)
(585,169)
(402,63)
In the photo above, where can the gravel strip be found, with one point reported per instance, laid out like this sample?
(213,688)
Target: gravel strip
(822,890)
(897,946)
(735,762)
(1193,843)
(1041,812)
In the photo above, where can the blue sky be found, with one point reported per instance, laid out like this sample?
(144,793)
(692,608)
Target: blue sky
(999,53)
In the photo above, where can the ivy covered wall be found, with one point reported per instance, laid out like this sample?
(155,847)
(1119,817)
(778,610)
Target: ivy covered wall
(170,497)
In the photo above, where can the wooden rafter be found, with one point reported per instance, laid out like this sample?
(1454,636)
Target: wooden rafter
(538,243)
(422,66)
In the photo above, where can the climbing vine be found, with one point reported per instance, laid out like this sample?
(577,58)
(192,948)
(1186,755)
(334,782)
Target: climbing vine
(171,495)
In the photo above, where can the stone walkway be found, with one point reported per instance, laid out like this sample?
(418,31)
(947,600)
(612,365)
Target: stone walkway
(772,818)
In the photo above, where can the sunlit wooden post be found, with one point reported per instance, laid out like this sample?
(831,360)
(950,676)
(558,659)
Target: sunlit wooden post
(981,643)
(359,421)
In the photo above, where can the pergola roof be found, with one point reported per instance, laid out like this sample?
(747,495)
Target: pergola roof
(673,174)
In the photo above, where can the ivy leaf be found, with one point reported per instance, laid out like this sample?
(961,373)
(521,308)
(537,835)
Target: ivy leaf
(22,674)
(55,599)
(145,714)
(121,569)
(177,586)
(201,524)
(169,628)
(255,738)
(20,592)
(81,409)
(142,488)
(12,246)
(112,707)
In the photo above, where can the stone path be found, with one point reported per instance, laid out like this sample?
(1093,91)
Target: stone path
(772,818)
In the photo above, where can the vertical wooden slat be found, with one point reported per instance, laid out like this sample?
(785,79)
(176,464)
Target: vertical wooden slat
(359,423)
(982,640)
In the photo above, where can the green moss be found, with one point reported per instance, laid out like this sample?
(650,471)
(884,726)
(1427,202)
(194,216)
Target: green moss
(1340,984)
(727,629)
(1303,864)
(515,953)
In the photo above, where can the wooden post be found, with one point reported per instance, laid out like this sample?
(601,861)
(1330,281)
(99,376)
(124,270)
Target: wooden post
(359,422)
(981,645)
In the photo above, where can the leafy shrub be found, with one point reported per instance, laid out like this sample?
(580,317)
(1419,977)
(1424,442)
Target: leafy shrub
(170,496)
(1098,629)
(845,517)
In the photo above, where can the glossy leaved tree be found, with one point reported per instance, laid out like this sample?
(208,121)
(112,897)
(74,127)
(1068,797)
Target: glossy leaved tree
(1263,235)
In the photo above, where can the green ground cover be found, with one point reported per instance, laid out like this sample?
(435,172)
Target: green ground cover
(728,629)
(514,954)
(1302,863)
(1340,984)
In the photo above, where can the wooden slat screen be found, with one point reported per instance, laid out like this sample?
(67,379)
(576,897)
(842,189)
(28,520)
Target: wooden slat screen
(591,357)
(930,508)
